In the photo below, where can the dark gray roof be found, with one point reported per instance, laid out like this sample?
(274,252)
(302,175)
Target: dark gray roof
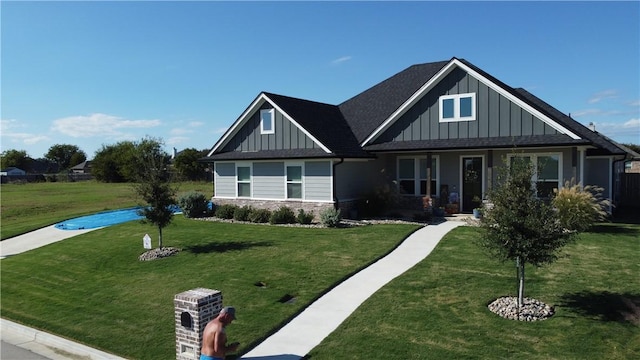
(324,121)
(366,111)
(477,143)
(344,127)
(270,154)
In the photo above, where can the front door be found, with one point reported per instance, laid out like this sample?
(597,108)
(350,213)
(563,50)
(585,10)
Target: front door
(472,175)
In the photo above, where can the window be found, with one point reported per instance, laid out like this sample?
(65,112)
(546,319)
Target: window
(266,121)
(412,176)
(294,182)
(243,180)
(546,172)
(459,107)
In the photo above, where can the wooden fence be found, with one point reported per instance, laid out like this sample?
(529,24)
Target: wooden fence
(630,189)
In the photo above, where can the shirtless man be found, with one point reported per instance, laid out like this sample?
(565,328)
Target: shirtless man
(214,338)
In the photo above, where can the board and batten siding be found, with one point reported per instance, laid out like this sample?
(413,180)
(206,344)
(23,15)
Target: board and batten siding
(225,180)
(286,136)
(496,115)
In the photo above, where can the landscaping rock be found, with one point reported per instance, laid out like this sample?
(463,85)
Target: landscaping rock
(158,253)
(531,310)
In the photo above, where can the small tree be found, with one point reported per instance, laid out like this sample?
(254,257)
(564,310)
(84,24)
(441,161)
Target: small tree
(15,158)
(187,165)
(154,184)
(64,154)
(520,226)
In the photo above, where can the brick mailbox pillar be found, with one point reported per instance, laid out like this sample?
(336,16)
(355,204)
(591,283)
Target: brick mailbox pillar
(193,310)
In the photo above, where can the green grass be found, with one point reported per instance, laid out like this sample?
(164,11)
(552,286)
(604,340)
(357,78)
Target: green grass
(93,288)
(438,309)
(26,207)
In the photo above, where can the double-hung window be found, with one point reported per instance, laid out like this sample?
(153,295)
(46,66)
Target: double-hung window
(458,107)
(267,125)
(546,168)
(294,181)
(412,176)
(243,180)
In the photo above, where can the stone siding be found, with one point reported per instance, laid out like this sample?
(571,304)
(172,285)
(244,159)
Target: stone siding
(193,311)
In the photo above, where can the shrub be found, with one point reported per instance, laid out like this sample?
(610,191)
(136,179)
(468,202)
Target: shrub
(259,215)
(242,213)
(226,211)
(377,202)
(578,208)
(305,218)
(330,217)
(284,215)
(193,204)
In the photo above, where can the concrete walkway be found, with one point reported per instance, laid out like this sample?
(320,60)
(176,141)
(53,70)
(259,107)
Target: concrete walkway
(307,330)
(292,342)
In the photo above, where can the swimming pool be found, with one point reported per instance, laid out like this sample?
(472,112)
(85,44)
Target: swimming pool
(102,219)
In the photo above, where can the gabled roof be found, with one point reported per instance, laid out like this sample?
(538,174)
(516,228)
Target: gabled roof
(321,122)
(366,111)
(350,128)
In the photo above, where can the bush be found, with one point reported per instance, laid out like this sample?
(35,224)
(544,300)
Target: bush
(242,213)
(578,208)
(377,202)
(226,211)
(330,217)
(305,218)
(193,204)
(284,215)
(259,215)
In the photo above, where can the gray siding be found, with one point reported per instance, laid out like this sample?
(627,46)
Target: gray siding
(268,180)
(225,180)
(597,172)
(287,136)
(354,179)
(495,115)
(317,180)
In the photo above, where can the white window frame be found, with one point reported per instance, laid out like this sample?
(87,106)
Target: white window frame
(270,113)
(287,182)
(417,176)
(250,182)
(534,161)
(456,107)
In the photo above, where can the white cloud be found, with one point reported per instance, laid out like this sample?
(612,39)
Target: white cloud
(606,94)
(180,131)
(99,125)
(635,103)
(632,124)
(341,60)
(176,140)
(7,130)
(196,124)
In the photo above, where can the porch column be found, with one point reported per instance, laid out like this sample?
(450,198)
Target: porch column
(574,164)
(429,160)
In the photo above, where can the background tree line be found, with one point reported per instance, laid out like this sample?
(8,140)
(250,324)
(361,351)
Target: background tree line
(112,163)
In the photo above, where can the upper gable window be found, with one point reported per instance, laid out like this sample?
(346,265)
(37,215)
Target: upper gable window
(267,125)
(458,107)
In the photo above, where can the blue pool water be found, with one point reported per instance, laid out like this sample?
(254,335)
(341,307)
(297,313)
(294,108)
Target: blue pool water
(102,219)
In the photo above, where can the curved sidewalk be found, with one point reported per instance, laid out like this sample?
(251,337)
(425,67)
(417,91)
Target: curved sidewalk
(297,338)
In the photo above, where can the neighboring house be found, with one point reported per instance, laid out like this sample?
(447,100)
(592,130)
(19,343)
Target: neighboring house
(431,129)
(82,168)
(12,171)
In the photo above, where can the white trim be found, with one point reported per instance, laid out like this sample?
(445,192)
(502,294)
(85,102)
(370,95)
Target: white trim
(534,160)
(456,107)
(286,181)
(250,166)
(461,178)
(417,177)
(272,116)
(246,115)
(439,76)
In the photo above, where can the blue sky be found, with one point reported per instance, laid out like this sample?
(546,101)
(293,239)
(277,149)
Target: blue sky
(94,73)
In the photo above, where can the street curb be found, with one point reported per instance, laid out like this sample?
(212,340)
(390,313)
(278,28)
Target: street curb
(58,348)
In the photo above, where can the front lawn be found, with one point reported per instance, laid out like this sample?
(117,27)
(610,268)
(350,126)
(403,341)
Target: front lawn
(438,309)
(92,287)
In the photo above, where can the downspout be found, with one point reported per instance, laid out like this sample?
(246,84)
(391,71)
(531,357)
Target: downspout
(336,201)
